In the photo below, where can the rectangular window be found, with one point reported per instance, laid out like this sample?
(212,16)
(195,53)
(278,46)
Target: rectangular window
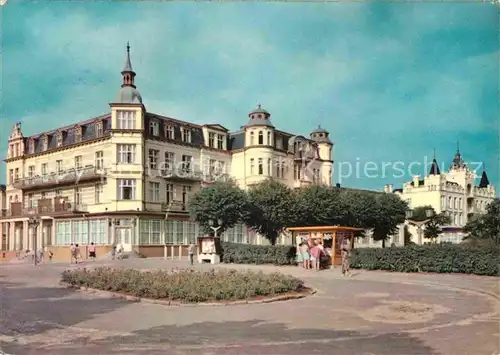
(220,141)
(99,129)
(98,232)
(59,166)
(279,143)
(154,192)
(99,160)
(169,193)
(269,138)
(16,174)
(99,191)
(169,132)
(153,158)
(126,119)
(186,134)
(126,153)
(169,232)
(150,232)
(187,163)
(186,190)
(252,166)
(78,162)
(154,128)
(126,189)
(269,167)
(63,233)
(80,232)
(78,196)
(211,166)
(211,140)
(31,171)
(169,160)
(261,167)
(30,201)
(44,169)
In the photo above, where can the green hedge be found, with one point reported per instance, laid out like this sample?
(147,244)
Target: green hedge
(258,254)
(441,258)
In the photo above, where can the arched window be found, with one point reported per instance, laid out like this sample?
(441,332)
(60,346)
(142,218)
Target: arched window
(261,168)
(252,167)
(455,202)
(269,142)
(252,138)
(261,137)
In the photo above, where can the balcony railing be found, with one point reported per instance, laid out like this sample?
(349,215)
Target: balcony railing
(174,206)
(182,174)
(44,209)
(64,177)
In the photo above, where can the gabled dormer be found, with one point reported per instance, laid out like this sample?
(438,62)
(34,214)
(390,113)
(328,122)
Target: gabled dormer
(78,131)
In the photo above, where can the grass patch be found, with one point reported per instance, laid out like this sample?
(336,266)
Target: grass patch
(186,285)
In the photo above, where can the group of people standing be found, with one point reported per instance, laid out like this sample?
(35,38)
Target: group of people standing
(311,252)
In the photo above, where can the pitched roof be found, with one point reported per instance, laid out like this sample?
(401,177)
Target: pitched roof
(434,168)
(484,180)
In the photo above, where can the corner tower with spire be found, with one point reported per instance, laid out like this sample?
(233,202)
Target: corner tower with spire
(127,109)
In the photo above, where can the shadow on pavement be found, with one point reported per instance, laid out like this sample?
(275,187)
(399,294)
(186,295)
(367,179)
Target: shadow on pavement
(247,338)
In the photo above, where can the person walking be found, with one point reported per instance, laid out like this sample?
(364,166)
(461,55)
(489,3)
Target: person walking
(72,250)
(77,253)
(92,251)
(345,249)
(191,253)
(113,252)
(306,257)
(315,257)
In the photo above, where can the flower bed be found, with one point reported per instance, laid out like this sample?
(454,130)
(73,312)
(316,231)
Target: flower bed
(186,286)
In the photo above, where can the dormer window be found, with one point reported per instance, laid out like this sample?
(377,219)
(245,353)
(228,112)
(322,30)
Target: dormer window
(31,146)
(59,139)
(186,134)
(169,132)
(45,142)
(78,134)
(154,128)
(220,141)
(99,131)
(211,139)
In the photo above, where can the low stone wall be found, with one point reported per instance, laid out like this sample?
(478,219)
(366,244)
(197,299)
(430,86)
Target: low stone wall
(7,255)
(63,253)
(155,251)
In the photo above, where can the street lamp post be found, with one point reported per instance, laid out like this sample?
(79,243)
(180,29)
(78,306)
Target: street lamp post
(215,229)
(165,231)
(34,222)
(429,213)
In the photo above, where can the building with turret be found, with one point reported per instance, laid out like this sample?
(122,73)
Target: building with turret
(126,177)
(455,192)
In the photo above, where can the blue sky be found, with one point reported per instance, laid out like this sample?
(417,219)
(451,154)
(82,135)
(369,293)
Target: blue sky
(390,81)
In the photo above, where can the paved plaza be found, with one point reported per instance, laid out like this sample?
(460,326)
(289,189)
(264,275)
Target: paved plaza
(371,313)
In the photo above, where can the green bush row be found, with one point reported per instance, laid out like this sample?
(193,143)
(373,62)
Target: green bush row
(440,258)
(185,285)
(258,254)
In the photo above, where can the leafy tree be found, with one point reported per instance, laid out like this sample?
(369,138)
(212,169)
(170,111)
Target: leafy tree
(358,207)
(433,228)
(419,213)
(221,201)
(271,209)
(318,206)
(485,229)
(389,212)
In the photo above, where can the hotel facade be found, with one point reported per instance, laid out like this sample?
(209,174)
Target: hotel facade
(455,193)
(126,177)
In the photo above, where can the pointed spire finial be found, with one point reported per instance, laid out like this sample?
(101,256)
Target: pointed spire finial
(458,146)
(128,47)
(259,106)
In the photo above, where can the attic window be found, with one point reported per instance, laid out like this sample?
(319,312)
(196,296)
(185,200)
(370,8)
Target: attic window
(45,142)
(59,139)
(78,134)
(98,128)
(31,146)
(260,116)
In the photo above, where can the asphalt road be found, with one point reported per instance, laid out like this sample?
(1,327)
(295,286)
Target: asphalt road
(372,313)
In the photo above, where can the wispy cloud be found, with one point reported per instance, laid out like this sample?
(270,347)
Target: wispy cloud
(390,81)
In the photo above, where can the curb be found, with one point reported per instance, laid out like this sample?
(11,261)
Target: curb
(130,298)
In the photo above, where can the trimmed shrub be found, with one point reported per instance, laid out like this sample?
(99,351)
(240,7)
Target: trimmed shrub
(258,254)
(441,258)
(187,286)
